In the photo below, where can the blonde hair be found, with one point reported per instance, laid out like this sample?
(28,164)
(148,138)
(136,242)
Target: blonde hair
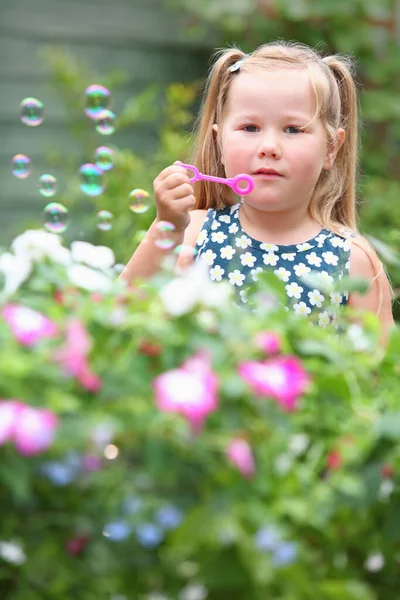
(333,202)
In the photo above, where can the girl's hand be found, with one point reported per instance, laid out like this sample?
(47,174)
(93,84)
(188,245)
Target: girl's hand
(174,196)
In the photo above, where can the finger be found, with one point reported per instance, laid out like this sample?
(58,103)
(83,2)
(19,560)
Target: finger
(175,180)
(168,171)
(183,190)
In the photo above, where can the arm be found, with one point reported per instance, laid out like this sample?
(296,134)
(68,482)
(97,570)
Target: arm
(378,298)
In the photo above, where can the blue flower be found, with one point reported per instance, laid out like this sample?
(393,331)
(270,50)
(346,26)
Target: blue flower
(116,531)
(149,535)
(285,554)
(169,517)
(267,538)
(59,473)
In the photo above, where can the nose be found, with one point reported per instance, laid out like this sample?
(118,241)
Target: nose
(269,146)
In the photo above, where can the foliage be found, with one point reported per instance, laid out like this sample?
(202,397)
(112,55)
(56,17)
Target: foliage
(193,457)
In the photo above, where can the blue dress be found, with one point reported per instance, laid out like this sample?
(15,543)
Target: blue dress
(232,255)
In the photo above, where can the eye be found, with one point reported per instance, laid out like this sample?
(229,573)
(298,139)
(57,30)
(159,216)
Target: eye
(293,129)
(250,128)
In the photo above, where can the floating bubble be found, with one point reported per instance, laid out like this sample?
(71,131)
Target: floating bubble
(21,166)
(97,99)
(105,122)
(185,250)
(31,112)
(47,185)
(56,217)
(139,201)
(164,238)
(104,220)
(92,180)
(104,158)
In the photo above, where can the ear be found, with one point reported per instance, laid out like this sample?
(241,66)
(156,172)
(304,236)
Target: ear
(215,129)
(334,149)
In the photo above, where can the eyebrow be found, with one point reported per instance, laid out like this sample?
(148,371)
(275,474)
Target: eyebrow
(253,117)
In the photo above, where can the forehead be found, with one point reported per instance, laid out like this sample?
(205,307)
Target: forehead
(283,90)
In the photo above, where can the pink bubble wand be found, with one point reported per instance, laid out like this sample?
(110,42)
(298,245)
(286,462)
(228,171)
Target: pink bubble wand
(233,182)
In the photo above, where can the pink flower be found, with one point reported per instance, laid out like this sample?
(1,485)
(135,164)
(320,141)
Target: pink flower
(31,429)
(73,355)
(269,342)
(282,378)
(190,390)
(241,456)
(28,326)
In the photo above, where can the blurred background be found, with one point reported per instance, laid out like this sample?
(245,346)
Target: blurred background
(153,56)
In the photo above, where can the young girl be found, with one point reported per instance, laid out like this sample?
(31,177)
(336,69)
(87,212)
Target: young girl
(287,117)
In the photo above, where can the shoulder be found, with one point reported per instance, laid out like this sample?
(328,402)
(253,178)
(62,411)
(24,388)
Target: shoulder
(364,261)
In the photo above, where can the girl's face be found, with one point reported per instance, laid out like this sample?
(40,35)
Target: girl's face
(265,128)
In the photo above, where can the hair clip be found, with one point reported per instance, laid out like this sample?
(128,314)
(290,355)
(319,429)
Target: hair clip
(236,66)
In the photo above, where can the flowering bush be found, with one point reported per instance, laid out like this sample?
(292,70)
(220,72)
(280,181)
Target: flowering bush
(159,442)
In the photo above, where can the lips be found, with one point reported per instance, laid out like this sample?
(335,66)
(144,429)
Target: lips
(268,172)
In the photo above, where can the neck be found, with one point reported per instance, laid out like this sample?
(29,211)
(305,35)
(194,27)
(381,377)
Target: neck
(280,228)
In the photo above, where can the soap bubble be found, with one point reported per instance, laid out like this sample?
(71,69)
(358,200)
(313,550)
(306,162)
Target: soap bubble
(139,201)
(31,112)
(104,158)
(21,166)
(104,220)
(164,238)
(92,180)
(97,99)
(56,217)
(47,185)
(105,122)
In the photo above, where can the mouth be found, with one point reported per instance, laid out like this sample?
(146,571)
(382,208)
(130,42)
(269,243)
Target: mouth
(267,173)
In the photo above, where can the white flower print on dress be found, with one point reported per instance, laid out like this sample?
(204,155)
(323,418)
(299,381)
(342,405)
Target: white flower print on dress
(227,252)
(304,246)
(289,256)
(320,239)
(323,319)
(347,266)
(218,236)
(330,258)
(225,218)
(234,209)
(209,256)
(301,269)
(316,298)
(243,242)
(254,273)
(347,244)
(336,241)
(313,259)
(336,298)
(236,278)
(215,225)
(270,259)
(302,309)
(216,273)
(326,277)
(202,238)
(234,228)
(283,274)
(293,290)
(269,247)
(247,259)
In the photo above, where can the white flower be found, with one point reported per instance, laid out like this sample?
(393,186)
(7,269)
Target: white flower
(216,273)
(270,259)
(347,244)
(337,242)
(298,443)
(243,242)
(326,277)
(320,238)
(16,270)
(323,319)
(236,278)
(330,258)
(215,225)
(302,309)
(386,489)
(234,228)
(293,290)
(254,273)
(316,298)
(218,236)
(202,237)
(269,247)
(227,252)
(208,257)
(12,553)
(225,219)
(193,591)
(283,464)
(98,257)
(38,244)
(304,246)
(336,298)
(301,269)
(313,259)
(375,562)
(247,259)
(356,335)
(289,256)
(282,274)
(88,279)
